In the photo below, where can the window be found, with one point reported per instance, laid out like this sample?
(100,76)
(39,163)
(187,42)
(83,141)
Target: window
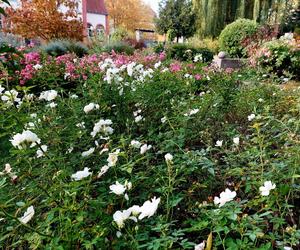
(100,30)
(90,30)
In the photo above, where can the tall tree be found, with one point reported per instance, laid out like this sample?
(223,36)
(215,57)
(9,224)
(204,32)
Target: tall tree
(130,14)
(214,15)
(46,19)
(177,18)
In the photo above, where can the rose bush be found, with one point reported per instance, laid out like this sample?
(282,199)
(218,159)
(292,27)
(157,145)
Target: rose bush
(144,153)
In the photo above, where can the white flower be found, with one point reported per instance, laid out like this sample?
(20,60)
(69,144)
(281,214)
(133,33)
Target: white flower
(81,174)
(52,105)
(225,196)
(117,188)
(49,95)
(219,143)
(192,112)
(198,58)
(81,125)
(102,126)
(118,234)
(7,168)
(266,188)
(33,115)
(103,170)
(145,148)
(120,217)
(135,210)
(128,185)
(260,100)
(70,150)
(27,136)
(113,158)
(126,197)
(88,153)
(67,75)
(88,108)
(200,246)
(287,248)
(27,215)
(135,144)
(236,140)
(163,120)
(41,152)
(138,118)
(168,157)
(157,65)
(251,117)
(74,96)
(149,208)
(1,89)
(130,68)
(28,97)
(10,97)
(37,66)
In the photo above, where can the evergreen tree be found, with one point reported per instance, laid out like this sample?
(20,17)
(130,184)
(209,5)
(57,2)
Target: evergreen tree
(176,18)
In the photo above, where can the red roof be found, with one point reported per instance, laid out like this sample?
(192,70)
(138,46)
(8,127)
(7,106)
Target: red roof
(96,7)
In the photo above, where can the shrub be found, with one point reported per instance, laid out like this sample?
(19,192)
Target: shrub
(208,43)
(233,34)
(119,47)
(159,47)
(62,47)
(13,40)
(185,52)
(119,34)
(280,57)
(135,44)
(201,146)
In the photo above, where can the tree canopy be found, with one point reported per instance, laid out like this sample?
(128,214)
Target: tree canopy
(44,19)
(214,15)
(130,14)
(177,18)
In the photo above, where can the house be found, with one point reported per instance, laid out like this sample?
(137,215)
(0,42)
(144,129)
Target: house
(94,17)
(93,14)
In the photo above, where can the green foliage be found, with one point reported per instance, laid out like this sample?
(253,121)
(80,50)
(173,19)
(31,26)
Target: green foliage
(73,214)
(177,18)
(62,47)
(208,43)
(232,36)
(159,47)
(118,47)
(186,52)
(279,57)
(120,34)
(213,16)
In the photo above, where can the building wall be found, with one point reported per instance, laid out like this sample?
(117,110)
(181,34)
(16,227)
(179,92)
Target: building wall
(96,19)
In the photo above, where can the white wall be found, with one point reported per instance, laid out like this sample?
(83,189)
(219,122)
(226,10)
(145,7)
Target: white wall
(95,19)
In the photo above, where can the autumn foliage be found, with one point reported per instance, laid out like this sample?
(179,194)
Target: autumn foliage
(45,19)
(130,14)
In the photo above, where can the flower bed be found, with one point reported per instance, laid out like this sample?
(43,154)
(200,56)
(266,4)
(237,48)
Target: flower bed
(146,153)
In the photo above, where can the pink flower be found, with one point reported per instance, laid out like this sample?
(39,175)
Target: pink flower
(175,67)
(198,77)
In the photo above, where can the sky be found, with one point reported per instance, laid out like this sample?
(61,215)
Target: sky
(153,4)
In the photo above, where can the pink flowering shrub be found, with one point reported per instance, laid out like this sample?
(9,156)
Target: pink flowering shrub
(279,57)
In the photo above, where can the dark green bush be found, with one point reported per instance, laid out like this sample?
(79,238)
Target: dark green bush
(186,52)
(158,48)
(61,47)
(119,47)
(233,34)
